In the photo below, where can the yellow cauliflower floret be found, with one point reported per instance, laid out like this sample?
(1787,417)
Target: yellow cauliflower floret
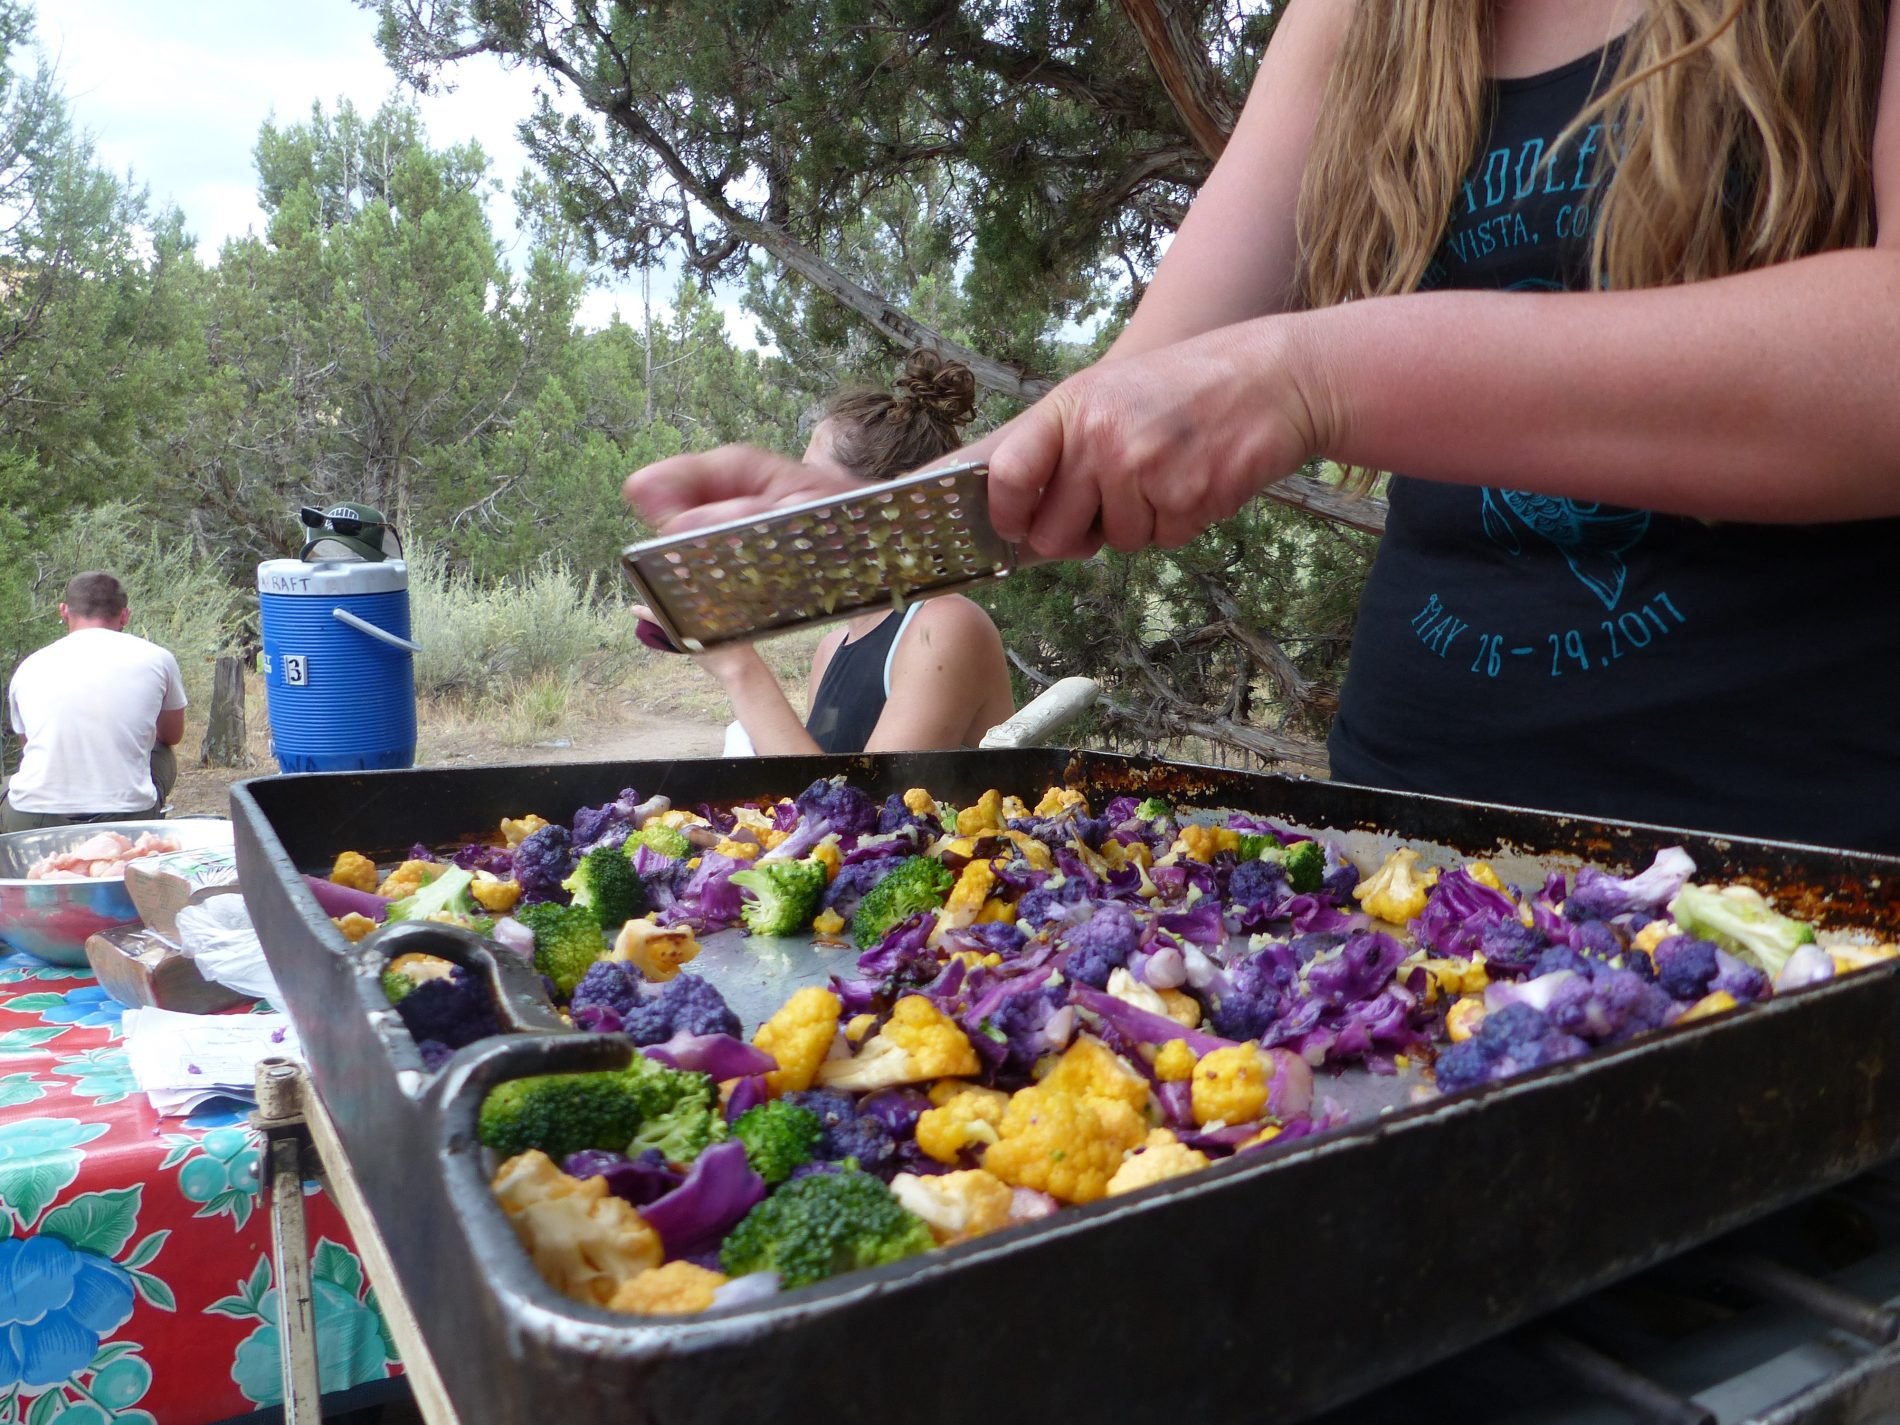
(1057,800)
(965,901)
(828,922)
(860,1026)
(1652,935)
(1156,1163)
(956,1206)
(515,830)
(679,818)
(586,1242)
(1182,1008)
(1463,1018)
(738,850)
(799,1036)
(676,1289)
(827,854)
(1175,1062)
(965,1117)
(1067,1145)
(1089,1067)
(408,878)
(986,815)
(1039,857)
(754,821)
(918,802)
(656,951)
(1484,875)
(353,926)
(1203,843)
(355,870)
(1396,891)
(997,910)
(1721,1002)
(1230,1085)
(1457,977)
(918,1042)
(492,893)
(417,967)
(1848,958)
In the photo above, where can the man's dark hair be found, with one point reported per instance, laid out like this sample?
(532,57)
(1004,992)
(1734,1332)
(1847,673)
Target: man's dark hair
(95,594)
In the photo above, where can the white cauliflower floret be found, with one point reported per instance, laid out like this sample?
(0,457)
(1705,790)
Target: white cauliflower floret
(956,1205)
(585,1242)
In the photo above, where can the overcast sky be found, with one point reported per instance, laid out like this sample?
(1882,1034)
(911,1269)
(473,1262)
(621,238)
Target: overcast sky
(175,93)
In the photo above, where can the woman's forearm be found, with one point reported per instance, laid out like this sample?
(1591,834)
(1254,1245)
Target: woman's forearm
(1770,396)
(762,709)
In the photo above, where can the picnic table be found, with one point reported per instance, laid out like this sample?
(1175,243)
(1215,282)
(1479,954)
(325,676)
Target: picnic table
(136,1270)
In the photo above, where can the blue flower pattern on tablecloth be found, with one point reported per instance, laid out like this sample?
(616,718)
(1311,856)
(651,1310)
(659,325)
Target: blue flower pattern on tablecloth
(353,1344)
(88,1006)
(39,1159)
(56,1303)
(18,965)
(103,1075)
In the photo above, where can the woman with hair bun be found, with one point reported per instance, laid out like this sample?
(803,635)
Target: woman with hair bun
(931,676)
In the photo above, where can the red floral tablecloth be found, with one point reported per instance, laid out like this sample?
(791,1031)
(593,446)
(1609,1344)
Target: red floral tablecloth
(136,1279)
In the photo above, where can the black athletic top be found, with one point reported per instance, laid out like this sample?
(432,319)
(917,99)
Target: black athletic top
(851,696)
(1519,648)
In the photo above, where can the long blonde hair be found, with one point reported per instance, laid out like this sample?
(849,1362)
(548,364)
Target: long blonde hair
(1765,104)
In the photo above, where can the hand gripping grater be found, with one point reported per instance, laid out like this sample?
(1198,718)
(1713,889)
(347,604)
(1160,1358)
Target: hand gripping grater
(822,560)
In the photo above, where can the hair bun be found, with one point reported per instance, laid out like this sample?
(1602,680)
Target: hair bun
(945,389)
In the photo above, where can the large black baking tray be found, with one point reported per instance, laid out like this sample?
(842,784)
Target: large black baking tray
(1265,1288)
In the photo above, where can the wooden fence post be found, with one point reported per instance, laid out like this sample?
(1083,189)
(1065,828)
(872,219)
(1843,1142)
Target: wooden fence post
(224,744)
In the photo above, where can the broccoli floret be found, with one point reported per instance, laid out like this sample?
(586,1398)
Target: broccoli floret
(397,986)
(1255,844)
(608,984)
(1305,866)
(567,940)
(779,1137)
(564,1113)
(1154,809)
(785,896)
(686,1005)
(1738,920)
(607,885)
(1685,966)
(844,1133)
(682,1133)
(818,1226)
(543,860)
(915,884)
(664,840)
(446,899)
(451,1011)
(1101,944)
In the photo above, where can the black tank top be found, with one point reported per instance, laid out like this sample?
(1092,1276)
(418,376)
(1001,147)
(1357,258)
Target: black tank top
(850,697)
(1514,647)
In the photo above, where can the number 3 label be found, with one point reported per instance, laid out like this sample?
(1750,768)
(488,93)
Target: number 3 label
(296,670)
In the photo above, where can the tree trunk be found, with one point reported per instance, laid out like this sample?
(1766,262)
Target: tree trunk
(1193,85)
(224,744)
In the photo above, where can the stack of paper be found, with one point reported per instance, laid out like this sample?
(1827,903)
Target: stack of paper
(183,1060)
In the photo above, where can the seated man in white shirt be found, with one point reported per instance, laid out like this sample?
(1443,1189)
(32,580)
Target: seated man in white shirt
(99,712)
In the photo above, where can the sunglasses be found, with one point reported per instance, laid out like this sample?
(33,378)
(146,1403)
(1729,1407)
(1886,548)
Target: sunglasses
(347,525)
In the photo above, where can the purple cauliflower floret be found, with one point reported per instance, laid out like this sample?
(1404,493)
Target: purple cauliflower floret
(1614,1006)
(607,825)
(1562,957)
(1598,895)
(1258,883)
(1101,944)
(434,1053)
(452,1011)
(1510,948)
(498,861)
(607,985)
(1341,878)
(1739,979)
(1248,998)
(1600,938)
(686,1004)
(846,1133)
(847,888)
(543,860)
(1685,966)
(1512,1041)
(843,809)
(1021,1028)
(895,816)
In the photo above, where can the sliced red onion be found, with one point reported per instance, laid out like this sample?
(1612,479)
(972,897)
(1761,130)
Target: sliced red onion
(1809,965)
(719,1055)
(746,1290)
(344,900)
(1166,969)
(1290,1090)
(1140,1025)
(511,934)
(1177,1102)
(1028,1205)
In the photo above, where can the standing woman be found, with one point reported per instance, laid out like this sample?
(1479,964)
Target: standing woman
(1605,281)
(931,676)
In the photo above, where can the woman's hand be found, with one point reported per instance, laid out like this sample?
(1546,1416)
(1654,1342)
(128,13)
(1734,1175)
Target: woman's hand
(687,492)
(1154,448)
(729,663)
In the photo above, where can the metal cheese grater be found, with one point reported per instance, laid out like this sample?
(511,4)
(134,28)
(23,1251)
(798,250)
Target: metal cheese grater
(822,560)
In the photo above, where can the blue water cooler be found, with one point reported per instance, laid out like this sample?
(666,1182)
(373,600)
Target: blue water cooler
(339,668)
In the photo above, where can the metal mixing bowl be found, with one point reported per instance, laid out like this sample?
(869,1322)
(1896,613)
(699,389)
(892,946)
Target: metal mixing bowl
(51,919)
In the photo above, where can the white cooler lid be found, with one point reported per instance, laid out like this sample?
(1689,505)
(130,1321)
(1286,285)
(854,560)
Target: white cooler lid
(295,579)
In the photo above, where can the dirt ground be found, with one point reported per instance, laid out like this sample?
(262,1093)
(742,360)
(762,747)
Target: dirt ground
(613,727)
